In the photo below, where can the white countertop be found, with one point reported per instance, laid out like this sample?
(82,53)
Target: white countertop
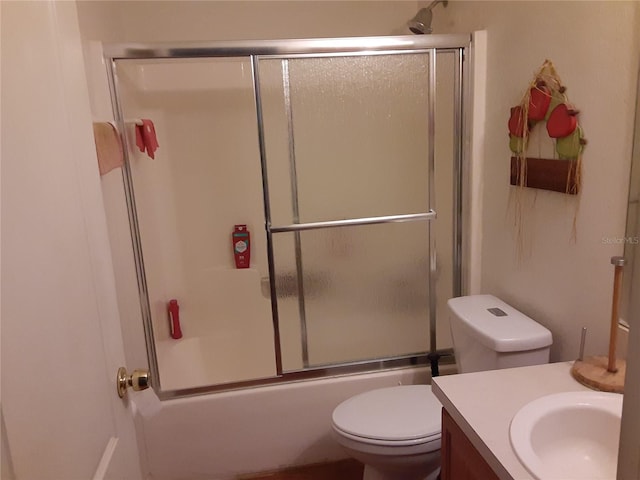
(484,403)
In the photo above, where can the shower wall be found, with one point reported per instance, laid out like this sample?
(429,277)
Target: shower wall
(206,177)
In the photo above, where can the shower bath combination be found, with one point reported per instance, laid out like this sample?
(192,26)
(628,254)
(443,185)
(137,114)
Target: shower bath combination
(340,283)
(420,24)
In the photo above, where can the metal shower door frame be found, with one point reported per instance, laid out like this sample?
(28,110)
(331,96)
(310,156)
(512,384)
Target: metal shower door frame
(308,48)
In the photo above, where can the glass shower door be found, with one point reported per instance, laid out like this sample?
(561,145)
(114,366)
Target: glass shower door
(347,139)
(337,156)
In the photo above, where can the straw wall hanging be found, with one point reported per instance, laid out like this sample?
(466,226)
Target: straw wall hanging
(546,103)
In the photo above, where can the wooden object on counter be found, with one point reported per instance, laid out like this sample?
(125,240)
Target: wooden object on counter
(460,459)
(592,372)
(605,373)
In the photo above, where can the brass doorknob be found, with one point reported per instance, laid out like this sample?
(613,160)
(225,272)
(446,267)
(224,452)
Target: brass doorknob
(138,380)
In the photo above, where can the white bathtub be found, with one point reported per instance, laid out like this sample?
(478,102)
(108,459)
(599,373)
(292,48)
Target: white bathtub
(230,356)
(219,436)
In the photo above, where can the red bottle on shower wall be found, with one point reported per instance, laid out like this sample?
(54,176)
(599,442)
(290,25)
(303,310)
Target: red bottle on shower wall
(174,319)
(240,240)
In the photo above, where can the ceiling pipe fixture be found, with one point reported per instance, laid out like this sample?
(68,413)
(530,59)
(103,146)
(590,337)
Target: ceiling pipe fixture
(421,23)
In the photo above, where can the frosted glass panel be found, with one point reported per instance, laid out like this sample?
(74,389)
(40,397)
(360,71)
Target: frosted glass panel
(444,192)
(365,292)
(357,127)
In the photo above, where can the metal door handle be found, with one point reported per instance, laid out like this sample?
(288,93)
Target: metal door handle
(138,380)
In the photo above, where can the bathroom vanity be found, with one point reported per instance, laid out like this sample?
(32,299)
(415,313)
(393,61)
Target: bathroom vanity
(460,459)
(477,412)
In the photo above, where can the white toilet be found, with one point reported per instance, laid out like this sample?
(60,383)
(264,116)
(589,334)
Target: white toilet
(395,431)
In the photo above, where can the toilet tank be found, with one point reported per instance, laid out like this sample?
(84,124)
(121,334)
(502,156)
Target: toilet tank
(488,334)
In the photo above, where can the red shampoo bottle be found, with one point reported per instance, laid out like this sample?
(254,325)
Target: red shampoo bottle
(174,319)
(240,240)
(241,246)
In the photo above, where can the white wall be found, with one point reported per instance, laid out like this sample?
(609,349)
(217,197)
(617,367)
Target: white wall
(144,21)
(595,47)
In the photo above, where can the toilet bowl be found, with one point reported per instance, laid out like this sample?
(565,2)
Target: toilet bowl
(395,431)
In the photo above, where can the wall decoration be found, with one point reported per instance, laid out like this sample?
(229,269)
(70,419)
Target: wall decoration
(545,102)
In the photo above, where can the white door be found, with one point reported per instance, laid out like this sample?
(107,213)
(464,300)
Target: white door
(61,341)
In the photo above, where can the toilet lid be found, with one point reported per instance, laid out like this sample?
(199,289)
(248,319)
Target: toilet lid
(396,413)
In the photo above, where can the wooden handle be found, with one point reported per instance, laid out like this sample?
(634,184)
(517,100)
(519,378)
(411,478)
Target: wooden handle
(617,281)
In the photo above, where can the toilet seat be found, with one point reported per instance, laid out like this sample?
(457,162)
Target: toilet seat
(395,416)
(435,439)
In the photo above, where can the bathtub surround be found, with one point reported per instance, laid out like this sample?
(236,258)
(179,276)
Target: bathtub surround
(351,292)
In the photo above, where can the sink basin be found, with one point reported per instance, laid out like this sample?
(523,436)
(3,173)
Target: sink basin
(571,435)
